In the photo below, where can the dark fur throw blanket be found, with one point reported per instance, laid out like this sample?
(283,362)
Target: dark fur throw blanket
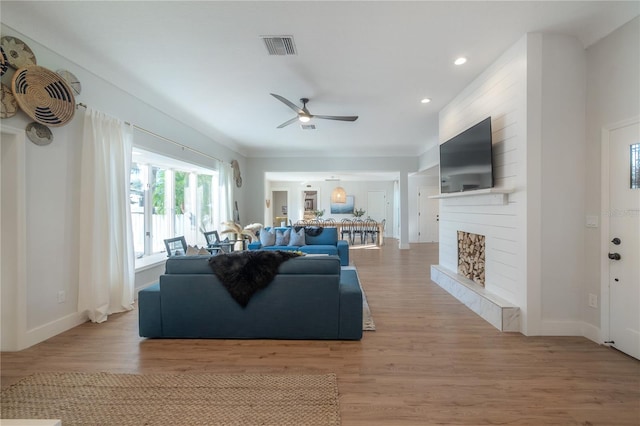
(245,272)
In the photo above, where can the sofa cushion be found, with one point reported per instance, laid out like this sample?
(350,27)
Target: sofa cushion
(297,237)
(283,236)
(267,237)
(320,249)
(188,265)
(199,265)
(312,265)
(328,236)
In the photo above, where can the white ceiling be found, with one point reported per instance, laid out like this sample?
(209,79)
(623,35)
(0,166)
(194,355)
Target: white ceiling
(204,63)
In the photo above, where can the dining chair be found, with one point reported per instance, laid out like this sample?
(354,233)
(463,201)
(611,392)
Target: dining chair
(358,229)
(345,229)
(370,230)
(212,237)
(176,246)
(214,245)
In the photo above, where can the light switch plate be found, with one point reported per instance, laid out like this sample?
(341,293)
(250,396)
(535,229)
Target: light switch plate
(592,221)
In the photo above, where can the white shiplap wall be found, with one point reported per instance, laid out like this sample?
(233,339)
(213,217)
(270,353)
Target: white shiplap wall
(500,92)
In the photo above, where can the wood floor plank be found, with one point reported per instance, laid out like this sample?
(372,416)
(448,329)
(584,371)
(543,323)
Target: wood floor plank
(431,360)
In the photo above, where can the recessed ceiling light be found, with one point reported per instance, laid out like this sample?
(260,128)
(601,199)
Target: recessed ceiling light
(426,100)
(460,61)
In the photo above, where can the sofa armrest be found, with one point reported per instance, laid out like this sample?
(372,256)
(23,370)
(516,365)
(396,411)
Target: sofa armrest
(343,252)
(149,312)
(350,306)
(256,245)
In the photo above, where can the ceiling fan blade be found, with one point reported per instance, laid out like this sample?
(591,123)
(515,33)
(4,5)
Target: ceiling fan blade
(288,103)
(286,123)
(338,117)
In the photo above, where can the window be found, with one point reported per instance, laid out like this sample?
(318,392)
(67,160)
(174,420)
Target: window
(170,198)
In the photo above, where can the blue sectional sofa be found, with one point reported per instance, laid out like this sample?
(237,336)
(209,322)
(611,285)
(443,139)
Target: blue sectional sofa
(308,299)
(326,242)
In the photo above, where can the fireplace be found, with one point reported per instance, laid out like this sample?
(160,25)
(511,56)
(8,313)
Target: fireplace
(471,260)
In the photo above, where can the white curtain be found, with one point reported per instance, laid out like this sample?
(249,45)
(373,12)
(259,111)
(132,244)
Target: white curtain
(225,182)
(106,255)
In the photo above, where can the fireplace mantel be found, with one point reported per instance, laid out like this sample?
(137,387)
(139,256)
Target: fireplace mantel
(478,197)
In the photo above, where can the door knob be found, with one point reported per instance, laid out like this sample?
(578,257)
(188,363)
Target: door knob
(614,256)
(616,241)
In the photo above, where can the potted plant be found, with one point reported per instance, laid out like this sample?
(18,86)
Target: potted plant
(359,212)
(318,213)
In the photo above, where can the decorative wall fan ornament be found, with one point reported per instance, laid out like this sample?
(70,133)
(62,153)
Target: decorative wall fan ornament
(71,80)
(19,55)
(9,103)
(44,96)
(39,134)
(4,62)
(304,115)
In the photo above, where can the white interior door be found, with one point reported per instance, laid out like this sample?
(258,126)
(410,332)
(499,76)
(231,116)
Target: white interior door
(428,214)
(377,205)
(624,237)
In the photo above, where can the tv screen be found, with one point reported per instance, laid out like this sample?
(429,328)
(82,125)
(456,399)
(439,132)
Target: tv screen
(466,160)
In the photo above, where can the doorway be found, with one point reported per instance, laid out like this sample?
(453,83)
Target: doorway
(309,204)
(12,239)
(280,212)
(428,214)
(620,236)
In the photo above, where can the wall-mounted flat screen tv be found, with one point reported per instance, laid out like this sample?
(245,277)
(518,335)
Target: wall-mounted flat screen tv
(466,160)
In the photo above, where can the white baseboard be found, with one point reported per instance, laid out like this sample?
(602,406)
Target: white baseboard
(592,332)
(569,328)
(53,328)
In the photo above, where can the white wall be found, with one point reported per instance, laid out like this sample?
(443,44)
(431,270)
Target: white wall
(563,175)
(52,199)
(12,233)
(535,94)
(613,95)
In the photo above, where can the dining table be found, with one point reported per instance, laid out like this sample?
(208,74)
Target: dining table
(356,225)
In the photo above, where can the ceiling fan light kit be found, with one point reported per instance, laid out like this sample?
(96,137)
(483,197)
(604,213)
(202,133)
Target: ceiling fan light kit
(303,114)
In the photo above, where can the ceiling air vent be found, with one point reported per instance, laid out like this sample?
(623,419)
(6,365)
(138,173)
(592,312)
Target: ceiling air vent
(279,45)
(308,126)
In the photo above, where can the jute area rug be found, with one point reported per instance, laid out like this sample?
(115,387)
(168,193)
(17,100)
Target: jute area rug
(174,399)
(367,318)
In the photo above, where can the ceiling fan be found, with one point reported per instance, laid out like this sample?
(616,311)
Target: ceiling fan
(304,115)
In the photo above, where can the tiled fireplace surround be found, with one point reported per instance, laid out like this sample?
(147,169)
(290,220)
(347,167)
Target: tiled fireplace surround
(495,310)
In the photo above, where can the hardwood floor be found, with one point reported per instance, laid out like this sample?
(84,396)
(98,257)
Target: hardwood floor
(431,360)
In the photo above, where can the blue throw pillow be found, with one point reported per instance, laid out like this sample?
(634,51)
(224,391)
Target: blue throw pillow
(267,238)
(283,236)
(297,238)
